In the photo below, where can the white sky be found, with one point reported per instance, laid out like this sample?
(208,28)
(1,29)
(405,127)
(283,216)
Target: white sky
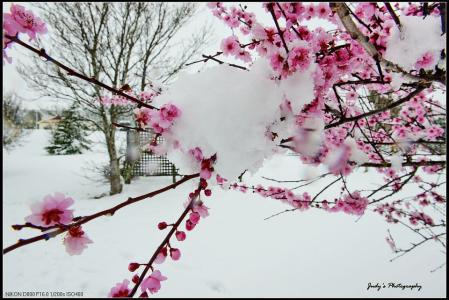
(12,81)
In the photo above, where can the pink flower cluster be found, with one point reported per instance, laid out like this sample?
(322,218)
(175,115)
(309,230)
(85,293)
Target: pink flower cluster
(416,217)
(20,20)
(231,46)
(159,120)
(120,290)
(206,164)
(145,96)
(233,17)
(199,210)
(353,204)
(153,282)
(302,202)
(175,254)
(53,211)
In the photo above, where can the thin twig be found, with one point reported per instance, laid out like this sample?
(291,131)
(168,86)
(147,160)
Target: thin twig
(72,72)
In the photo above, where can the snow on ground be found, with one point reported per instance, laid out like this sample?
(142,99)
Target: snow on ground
(233,252)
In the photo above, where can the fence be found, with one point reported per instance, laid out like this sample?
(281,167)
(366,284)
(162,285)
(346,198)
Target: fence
(149,164)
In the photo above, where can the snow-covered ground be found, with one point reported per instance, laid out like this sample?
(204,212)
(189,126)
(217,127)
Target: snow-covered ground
(233,252)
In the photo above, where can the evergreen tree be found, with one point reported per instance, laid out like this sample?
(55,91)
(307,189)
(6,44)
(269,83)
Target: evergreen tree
(69,135)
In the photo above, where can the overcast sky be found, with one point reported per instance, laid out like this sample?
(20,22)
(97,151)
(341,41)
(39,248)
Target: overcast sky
(12,81)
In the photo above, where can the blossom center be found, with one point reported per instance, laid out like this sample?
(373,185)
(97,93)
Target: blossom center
(52,216)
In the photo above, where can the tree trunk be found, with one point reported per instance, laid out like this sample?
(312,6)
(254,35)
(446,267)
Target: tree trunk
(114,179)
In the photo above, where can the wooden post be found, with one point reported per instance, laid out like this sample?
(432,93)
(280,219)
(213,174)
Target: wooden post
(173,170)
(132,154)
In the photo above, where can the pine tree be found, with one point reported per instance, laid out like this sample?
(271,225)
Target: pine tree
(69,135)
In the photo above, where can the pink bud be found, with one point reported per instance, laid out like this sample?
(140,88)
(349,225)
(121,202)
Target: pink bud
(135,278)
(203,183)
(160,258)
(194,217)
(207,192)
(162,225)
(175,253)
(180,235)
(133,266)
(190,225)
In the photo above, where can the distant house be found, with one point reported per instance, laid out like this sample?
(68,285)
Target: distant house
(50,123)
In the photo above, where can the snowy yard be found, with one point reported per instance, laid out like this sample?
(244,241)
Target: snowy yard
(233,252)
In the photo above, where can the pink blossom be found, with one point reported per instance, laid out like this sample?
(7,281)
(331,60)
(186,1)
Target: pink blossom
(169,112)
(205,173)
(142,116)
(323,10)
(434,131)
(51,211)
(120,290)
(351,204)
(220,180)
(426,61)
(420,216)
(299,58)
(230,45)
(190,225)
(201,209)
(310,11)
(196,153)
(175,254)
(365,10)
(194,217)
(160,257)
(76,241)
(153,282)
(206,169)
(244,56)
(351,97)
(147,96)
(23,21)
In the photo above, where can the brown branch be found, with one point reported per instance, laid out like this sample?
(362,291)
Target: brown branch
(376,111)
(129,127)
(222,62)
(393,15)
(285,16)
(164,242)
(281,34)
(406,164)
(357,18)
(405,251)
(83,220)
(72,72)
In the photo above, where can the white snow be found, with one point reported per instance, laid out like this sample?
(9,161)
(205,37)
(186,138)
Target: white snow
(418,36)
(396,162)
(225,111)
(298,88)
(231,253)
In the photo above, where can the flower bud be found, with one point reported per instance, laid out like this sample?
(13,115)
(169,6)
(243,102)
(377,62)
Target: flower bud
(180,235)
(162,225)
(133,266)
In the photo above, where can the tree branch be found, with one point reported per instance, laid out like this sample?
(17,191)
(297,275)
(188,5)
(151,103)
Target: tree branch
(83,220)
